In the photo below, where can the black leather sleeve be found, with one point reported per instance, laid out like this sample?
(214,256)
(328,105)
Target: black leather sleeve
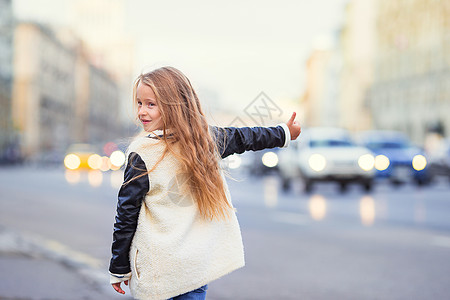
(128,206)
(232,140)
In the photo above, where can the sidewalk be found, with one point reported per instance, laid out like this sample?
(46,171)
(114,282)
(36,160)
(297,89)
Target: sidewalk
(30,271)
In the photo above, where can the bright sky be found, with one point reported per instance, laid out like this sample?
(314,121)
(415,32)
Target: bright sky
(232,49)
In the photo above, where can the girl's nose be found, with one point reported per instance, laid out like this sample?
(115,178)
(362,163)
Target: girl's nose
(141,111)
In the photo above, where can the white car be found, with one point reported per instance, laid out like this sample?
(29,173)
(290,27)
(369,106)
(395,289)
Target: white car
(326,154)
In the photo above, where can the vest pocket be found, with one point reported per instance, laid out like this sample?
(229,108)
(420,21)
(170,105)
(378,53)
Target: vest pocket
(136,264)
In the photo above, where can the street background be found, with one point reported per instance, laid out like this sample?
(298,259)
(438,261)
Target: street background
(365,67)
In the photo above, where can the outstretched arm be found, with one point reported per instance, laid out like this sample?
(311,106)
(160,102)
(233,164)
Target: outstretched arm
(232,140)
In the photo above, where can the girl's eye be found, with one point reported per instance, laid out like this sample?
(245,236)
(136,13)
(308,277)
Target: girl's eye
(151,104)
(139,103)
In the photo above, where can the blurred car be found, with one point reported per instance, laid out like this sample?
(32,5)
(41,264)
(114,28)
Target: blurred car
(395,158)
(326,154)
(77,157)
(263,161)
(439,160)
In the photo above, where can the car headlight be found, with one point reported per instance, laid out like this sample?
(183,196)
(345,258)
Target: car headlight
(419,162)
(117,158)
(366,162)
(381,162)
(317,162)
(270,159)
(105,164)
(72,161)
(94,161)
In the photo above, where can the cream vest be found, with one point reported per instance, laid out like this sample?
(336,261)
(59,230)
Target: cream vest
(174,251)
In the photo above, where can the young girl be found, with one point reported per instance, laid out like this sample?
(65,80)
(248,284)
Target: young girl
(176,229)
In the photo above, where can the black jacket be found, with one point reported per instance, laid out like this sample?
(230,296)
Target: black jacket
(230,140)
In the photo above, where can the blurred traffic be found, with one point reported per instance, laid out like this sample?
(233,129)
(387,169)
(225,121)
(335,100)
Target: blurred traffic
(395,158)
(331,154)
(327,154)
(87,161)
(84,157)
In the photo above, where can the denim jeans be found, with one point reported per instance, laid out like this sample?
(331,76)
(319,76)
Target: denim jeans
(198,294)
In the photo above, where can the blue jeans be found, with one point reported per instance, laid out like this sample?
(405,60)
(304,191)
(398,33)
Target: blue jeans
(198,294)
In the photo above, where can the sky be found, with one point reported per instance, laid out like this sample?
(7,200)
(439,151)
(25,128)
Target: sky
(231,50)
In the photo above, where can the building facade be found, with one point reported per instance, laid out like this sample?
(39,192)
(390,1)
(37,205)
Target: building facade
(43,90)
(411,86)
(53,93)
(320,100)
(357,44)
(8,136)
(101,26)
(103,117)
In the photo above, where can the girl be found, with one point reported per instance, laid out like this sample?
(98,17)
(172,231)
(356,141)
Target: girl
(176,229)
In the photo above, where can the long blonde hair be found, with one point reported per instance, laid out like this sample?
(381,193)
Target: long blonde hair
(181,112)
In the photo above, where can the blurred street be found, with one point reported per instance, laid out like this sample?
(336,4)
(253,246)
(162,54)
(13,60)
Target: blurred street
(392,243)
(368,83)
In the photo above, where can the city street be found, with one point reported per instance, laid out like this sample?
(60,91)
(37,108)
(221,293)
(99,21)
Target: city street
(392,243)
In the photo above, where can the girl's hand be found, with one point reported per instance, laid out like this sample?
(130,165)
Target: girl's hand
(294,127)
(117,287)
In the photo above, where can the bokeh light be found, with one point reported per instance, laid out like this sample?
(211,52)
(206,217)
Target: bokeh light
(72,176)
(419,162)
(367,210)
(234,161)
(105,164)
(117,158)
(270,159)
(317,207)
(95,178)
(72,161)
(95,161)
(381,162)
(366,162)
(317,162)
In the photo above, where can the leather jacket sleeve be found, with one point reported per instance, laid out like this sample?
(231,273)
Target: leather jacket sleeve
(129,203)
(232,140)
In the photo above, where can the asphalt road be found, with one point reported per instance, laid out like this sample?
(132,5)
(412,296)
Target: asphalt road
(393,243)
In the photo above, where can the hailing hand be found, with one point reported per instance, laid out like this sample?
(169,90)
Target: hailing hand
(294,127)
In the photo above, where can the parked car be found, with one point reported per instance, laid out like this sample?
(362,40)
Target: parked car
(395,157)
(326,154)
(77,156)
(439,160)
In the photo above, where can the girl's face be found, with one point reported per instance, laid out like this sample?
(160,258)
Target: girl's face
(148,110)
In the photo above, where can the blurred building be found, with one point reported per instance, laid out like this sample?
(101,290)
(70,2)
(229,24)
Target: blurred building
(55,92)
(411,85)
(101,26)
(43,90)
(103,118)
(357,44)
(320,100)
(7,133)
(97,109)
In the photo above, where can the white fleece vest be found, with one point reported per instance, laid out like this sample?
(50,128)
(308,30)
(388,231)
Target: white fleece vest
(174,250)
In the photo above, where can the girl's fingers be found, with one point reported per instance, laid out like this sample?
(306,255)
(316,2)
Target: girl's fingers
(116,286)
(291,120)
